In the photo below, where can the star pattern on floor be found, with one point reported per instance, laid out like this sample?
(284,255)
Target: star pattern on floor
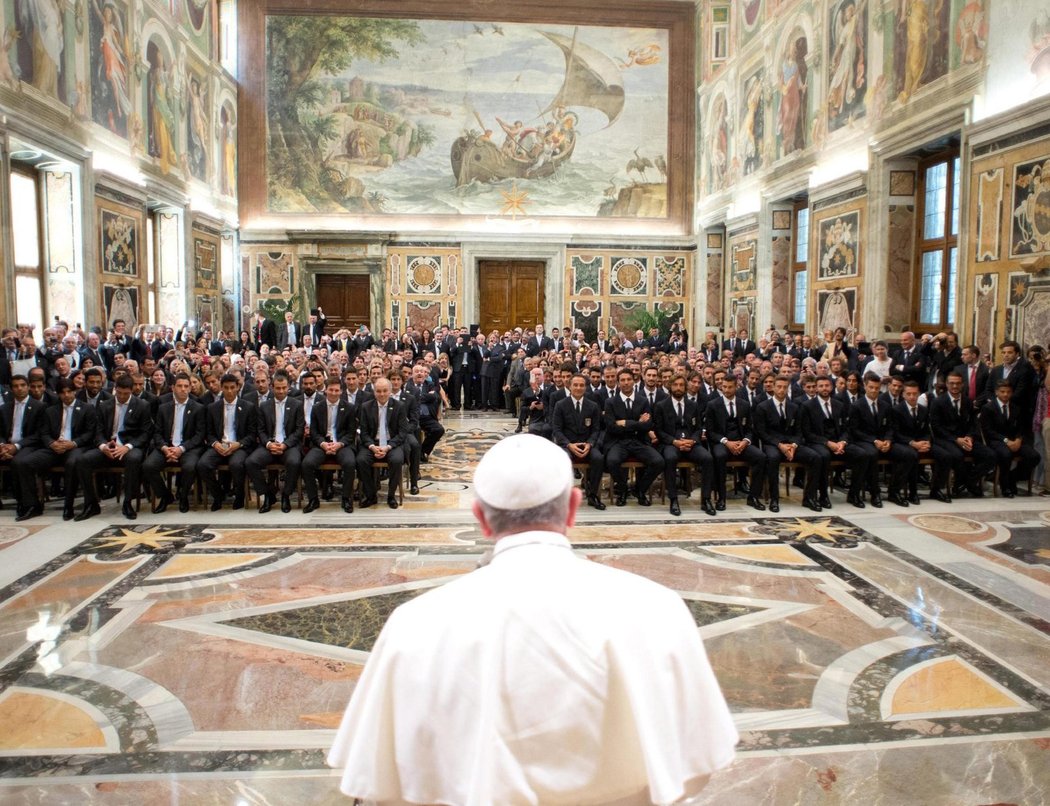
(153,538)
(828,531)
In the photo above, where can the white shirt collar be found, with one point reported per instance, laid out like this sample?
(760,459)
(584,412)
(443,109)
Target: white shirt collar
(540,538)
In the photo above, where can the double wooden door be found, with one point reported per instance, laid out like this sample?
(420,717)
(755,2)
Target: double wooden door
(511,294)
(345,300)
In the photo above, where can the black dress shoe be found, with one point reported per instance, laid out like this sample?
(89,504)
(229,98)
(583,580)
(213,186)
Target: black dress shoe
(89,511)
(825,502)
(708,507)
(392,503)
(913,499)
(184,505)
(68,513)
(413,490)
(976,492)
(811,503)
(163,503)
(265,505)
(311,505)
(348,505)
(744,487)
(424,458)
(675,509)
(876,501)
(1006,494)
(595,501)
(216,504)
(238,502)
(937,495)
(856,501)
(129,511)
(720,505)
(644,500)
(621,499)
(754,503)
(517,430)
(774,506)
(286,504)
(898,499)
(32,512)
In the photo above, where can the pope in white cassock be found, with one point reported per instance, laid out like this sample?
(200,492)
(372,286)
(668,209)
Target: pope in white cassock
(541,677)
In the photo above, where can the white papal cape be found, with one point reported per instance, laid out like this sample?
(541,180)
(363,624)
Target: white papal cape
(542,678)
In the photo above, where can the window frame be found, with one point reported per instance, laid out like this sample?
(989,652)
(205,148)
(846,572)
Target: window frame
(943,244)
(30,172)
(796,266)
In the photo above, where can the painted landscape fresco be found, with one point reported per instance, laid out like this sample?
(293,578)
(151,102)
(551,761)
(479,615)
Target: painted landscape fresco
(435,117)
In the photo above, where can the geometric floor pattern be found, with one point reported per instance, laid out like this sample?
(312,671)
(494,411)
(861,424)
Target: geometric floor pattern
(893,656)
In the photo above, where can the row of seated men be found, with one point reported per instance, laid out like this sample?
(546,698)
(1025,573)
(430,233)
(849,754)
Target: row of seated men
(198,440)
(660,428)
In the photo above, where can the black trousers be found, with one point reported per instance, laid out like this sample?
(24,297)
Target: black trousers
(432,432)
(29,466)
(346,457)
(751,454)
(807,457)
(1026,457)
(459,389)
(395,458)
(412,450)
(595,461)
(93,459)
(901,458)
(207,471)
(856,459)
(153,472)
(620,451)
(954,459)
(256,466)
(699,457)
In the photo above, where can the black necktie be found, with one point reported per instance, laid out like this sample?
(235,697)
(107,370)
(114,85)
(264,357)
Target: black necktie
(732,411)
(1006,410)
(577,407)
(782,412)
(957,412)
(914,413)
(652,399)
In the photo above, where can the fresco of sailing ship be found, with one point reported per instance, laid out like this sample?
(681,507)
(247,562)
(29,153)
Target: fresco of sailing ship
(535,149)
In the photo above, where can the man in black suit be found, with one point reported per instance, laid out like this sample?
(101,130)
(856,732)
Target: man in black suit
(825,427)
(975,376)
(651,389)
(629,435)
(552,396)
(122,436)
(333,438)
(912,430)
(909,360)
(492,370)
(316,325)
(178,439)
(93,392)
(90,351)
(280,424)
(752,390)
(532,405)
(871,424)
(422,385)
(955,430)
(1016,371)
(576,428)
(727,419)
(1001,421)
(21,418)
(679,425)
(384,425)
(264,331)
(479,354)
(68,430)
(538,343)
(290,334)
(461,360)
(778,425)
(231,429)
(412,448)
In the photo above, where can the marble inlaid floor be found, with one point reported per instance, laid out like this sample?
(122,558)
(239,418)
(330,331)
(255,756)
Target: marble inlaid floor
(878,656)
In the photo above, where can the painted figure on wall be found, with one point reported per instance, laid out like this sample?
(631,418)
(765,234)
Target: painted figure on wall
(719,144)
(794,94)
(228,139)
(110,101)
(836,310)
(158,107)
(847,71)
(197,13)
(971,32)
(1030,233)
(752,124)
(197,129)
(41,45)
(921,44)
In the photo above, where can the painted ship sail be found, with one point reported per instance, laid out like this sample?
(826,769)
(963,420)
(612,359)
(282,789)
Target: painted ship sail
(592,80)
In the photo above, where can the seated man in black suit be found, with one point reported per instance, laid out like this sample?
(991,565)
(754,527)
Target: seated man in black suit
(825,427)
(280,423)
(412,448)
(68,430)
(231,426)
(383,428)
(955,430)
(912,430)
(629,435)
(21,417)
(123,437)
(178,439)
(727,419)
(778,425)
(679,425)
(333,438)
(576,428)
(426,390)
(1001,424)
(871,424)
